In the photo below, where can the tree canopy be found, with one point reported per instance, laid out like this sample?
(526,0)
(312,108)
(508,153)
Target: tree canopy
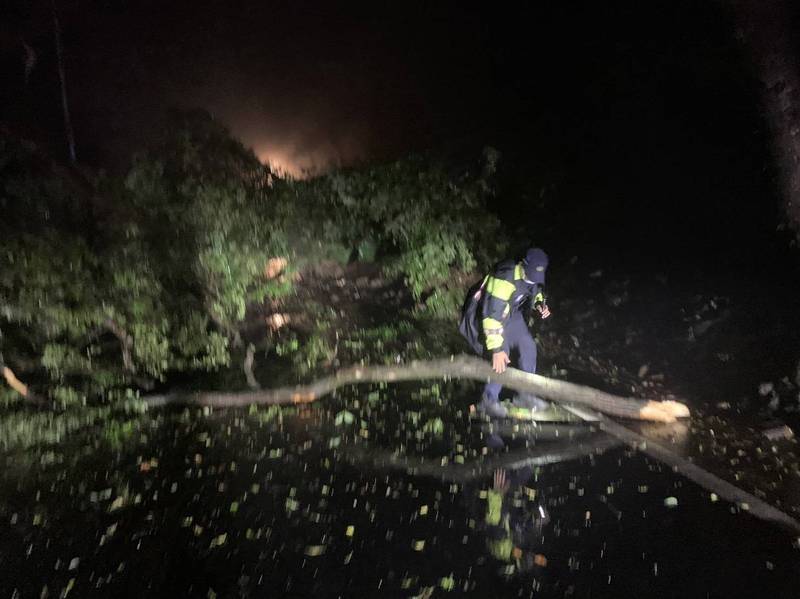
(109,284)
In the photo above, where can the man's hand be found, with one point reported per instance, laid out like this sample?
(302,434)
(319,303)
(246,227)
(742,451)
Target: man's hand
(500,481)
(543,310)
(499,362)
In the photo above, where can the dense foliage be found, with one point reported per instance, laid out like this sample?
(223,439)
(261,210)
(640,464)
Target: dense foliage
(107,285)
(156,282)
(422,221)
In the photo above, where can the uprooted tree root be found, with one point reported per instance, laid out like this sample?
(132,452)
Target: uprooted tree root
(457,367)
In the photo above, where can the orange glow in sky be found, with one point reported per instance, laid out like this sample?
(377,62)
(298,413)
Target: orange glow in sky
(292,162)
(300,160)
(281,163)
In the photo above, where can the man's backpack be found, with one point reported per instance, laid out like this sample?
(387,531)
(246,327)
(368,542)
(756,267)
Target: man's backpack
(469,325)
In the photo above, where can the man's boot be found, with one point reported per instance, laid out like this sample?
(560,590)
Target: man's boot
(529,401)
(492,407)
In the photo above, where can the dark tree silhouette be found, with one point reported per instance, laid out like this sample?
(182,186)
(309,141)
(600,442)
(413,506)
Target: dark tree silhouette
(765,29)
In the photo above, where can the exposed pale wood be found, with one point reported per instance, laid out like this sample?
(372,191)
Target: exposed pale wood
(456,367)
(20,387)
(13,382)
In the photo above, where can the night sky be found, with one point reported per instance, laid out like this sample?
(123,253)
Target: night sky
(305,86)
(313,84)
(641,112)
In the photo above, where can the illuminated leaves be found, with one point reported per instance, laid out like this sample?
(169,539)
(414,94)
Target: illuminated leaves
(434,426)
(404,214)
(344,418)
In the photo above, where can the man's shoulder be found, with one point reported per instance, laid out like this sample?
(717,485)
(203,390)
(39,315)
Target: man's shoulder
(504,270)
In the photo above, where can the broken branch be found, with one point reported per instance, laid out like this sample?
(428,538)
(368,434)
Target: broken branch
(125,342)
(20,387)
(457,367)
(249,358)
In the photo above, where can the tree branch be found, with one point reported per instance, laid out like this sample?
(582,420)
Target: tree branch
(458,367)
(126,344)
(20,387)
(249,358)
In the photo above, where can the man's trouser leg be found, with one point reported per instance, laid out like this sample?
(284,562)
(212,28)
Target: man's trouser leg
(492,391)
(520,341)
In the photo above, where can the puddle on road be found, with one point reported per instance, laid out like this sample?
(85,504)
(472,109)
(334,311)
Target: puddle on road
(291,502)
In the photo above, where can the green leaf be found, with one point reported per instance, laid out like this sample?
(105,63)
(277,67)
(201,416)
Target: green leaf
(344,418)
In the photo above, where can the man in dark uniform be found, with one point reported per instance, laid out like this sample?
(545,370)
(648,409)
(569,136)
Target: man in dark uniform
(493,321)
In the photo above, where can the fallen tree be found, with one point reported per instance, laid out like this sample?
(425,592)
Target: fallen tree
(558,391)
(455,367)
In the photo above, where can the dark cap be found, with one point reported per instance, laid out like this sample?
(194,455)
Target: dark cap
(535,264)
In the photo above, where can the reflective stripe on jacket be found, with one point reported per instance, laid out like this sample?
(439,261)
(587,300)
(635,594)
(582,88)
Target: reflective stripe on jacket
(506,292)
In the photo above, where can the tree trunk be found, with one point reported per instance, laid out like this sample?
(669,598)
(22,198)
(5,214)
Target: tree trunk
(457,367)
(554,390)
(63,81)
(764,27)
